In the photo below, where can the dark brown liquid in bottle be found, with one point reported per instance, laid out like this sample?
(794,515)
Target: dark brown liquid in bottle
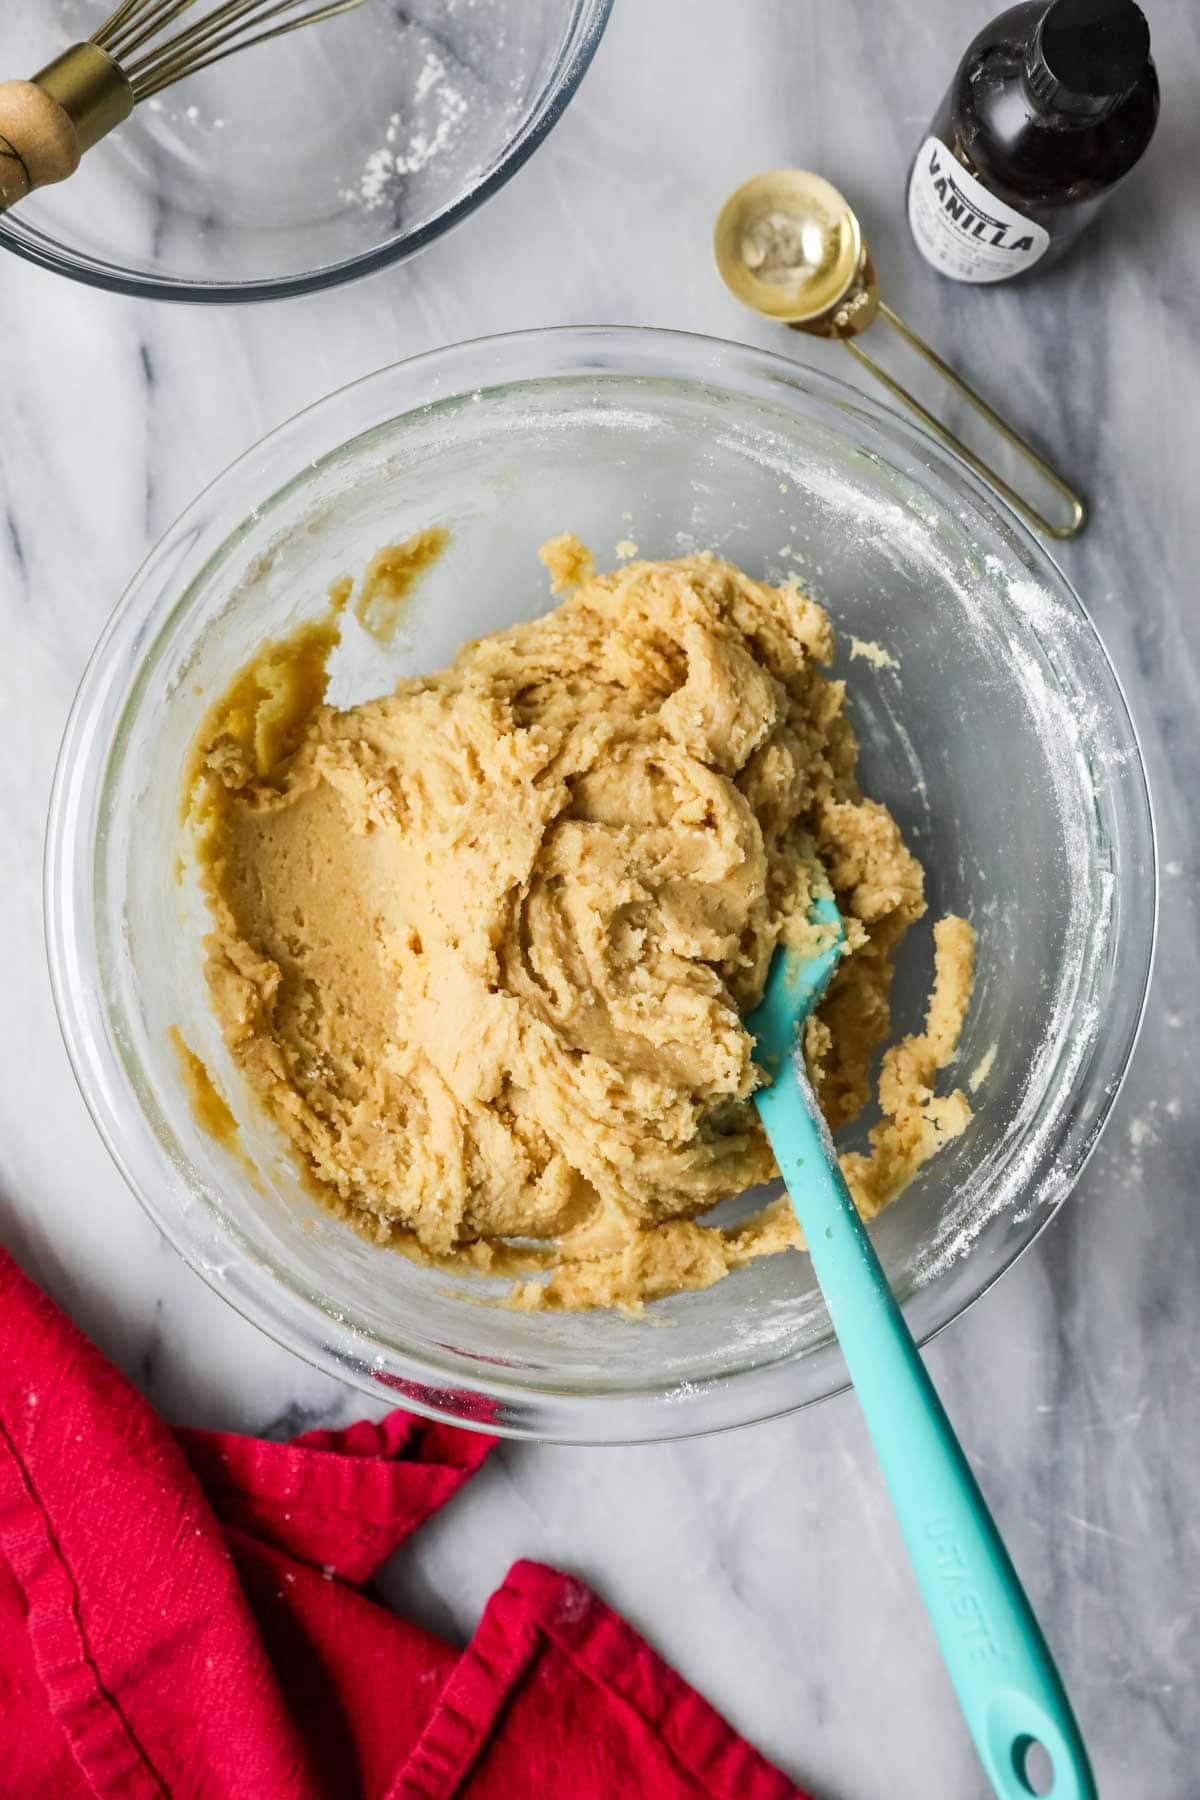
(1051,151)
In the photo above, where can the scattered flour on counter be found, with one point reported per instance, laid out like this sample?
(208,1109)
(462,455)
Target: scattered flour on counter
(1146,1131)
(1141,1132)
(626,548)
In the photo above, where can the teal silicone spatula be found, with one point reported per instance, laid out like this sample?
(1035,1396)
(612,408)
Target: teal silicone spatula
(1007,1685)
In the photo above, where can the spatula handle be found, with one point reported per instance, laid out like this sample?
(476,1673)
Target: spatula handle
(1007,1685)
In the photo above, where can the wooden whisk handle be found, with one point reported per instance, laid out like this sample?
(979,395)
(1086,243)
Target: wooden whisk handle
(46,124)
(38,142)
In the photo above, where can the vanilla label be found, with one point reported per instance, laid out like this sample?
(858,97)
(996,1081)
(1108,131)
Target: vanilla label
(961,228)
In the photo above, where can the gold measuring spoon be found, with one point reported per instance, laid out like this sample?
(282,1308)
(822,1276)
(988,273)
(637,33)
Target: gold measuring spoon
(788,245)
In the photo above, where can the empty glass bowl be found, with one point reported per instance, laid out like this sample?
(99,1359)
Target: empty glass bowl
(999,737)
(307,161)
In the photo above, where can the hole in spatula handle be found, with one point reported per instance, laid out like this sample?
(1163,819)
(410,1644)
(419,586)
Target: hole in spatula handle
(1034,1767)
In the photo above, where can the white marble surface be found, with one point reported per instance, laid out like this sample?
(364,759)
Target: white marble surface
(765,1564)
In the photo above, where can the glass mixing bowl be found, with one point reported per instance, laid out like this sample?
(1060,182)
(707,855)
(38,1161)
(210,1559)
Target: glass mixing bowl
(308,161)
(1000,740)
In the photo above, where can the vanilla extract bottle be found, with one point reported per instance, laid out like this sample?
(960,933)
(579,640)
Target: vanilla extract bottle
(1048,111)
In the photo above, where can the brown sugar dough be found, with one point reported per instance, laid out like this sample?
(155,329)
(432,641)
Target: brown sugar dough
(390,577)
(481,948)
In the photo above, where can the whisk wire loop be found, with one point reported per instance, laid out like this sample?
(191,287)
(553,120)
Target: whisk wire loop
(132,36)
(47,123)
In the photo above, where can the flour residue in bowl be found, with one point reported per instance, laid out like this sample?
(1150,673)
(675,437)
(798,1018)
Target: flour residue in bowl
(408,148)
(442,113)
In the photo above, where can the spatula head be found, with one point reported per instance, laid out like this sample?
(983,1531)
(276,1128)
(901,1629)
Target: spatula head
(795,985)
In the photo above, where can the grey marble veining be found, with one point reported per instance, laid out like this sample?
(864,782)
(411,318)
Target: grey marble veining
(766,1564)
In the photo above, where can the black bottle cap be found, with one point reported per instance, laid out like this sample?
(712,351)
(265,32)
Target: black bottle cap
(1086,55)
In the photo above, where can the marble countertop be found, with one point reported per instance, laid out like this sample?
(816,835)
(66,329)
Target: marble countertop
(766,1564)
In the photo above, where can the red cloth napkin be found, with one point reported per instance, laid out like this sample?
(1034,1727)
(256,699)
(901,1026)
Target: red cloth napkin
(181,1614)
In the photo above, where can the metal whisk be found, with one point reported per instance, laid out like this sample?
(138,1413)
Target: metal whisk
(46,124)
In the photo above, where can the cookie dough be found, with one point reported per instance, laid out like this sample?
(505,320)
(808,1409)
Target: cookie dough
(391,576)
(482,948)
